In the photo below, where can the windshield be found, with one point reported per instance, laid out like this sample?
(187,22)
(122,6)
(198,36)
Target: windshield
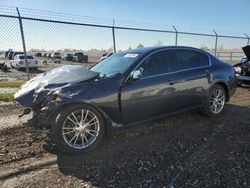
(117,63)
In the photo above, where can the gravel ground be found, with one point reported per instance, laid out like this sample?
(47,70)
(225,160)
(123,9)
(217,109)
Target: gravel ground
(186,150)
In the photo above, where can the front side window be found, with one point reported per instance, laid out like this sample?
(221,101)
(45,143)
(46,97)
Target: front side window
(159,63)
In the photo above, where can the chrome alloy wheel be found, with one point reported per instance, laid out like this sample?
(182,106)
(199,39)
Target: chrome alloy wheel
(80,129)
(217,101)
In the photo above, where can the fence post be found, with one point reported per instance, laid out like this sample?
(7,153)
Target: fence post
(247,38)
(176,35)
(23,41)
(113,32)
(231,56)
(216,41)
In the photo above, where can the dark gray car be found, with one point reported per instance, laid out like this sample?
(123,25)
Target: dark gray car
(78,105)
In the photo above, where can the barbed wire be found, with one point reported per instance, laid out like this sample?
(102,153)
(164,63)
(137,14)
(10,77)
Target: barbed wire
(51,15)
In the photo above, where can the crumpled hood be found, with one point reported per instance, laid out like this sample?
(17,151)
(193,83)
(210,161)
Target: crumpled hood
(38,88)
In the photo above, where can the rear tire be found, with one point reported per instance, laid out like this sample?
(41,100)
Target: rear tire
(215,101)
(78,129)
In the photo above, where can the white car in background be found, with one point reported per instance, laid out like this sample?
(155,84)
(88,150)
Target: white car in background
(56,55)
(19,62)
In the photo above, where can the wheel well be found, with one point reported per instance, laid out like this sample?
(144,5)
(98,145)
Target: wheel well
(226,89)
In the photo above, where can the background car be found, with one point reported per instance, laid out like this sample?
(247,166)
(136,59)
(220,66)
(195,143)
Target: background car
(3,66)
(19,62)
(49,55)
(38,54)
(80,57)
(56,55)
(128,88)
(68,57)
(44,54)
(242,69)
(10,54)
(106,55)
(16,53)
(6,53)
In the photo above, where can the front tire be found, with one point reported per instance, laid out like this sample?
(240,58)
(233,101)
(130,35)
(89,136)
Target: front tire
(78,129)
(215,101)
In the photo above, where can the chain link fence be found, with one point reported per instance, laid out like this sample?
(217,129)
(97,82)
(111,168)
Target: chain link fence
(45,33)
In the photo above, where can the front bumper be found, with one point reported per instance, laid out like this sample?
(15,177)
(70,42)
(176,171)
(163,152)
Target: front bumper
(44,119)
(243,78)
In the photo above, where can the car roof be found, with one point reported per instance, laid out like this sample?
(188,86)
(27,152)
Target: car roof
(155,48)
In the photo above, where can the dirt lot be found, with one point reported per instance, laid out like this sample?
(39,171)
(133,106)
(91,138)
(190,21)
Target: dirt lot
(187,150)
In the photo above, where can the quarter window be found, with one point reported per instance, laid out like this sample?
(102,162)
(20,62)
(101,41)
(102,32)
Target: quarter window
(159,63)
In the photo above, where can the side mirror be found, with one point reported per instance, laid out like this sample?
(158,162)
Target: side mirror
(136,74)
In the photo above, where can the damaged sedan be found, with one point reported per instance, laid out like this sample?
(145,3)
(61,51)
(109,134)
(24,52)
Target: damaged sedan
(78,106)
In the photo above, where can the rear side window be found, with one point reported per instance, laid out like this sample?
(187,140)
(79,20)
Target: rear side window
(191,59)
(160,63)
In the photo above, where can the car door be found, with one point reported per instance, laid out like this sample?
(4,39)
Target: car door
(172,81)
(153,94)
(192,78)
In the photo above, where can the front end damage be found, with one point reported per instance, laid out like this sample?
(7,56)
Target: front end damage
(242,69)
(42,95)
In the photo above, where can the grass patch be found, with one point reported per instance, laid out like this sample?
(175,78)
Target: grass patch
(11,84)
(7,96)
